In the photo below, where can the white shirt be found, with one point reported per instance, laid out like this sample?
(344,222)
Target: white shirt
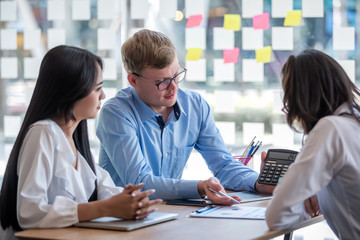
(329,166)
(49,187)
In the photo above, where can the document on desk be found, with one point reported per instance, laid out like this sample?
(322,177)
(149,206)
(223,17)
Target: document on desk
(235,211)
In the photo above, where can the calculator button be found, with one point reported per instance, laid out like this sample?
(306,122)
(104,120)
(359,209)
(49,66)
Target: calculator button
(262,179)
(265,171)
(280,165)
(271,172)
(276,177)
(277,172)
(274,181)
(267,180)
(272,168)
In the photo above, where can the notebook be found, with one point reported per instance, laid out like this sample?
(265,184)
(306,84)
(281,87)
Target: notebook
(127,225)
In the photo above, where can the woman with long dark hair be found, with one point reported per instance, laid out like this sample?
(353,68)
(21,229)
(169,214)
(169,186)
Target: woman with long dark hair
(321,99)
(51,179)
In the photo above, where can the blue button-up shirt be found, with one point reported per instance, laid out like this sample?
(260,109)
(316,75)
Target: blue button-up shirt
(135,148)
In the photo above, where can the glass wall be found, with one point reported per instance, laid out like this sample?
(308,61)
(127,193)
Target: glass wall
(233,50)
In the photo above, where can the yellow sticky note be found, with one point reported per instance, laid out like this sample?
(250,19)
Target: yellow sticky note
(193,54)
(292,18)
(263,55)
(232,22)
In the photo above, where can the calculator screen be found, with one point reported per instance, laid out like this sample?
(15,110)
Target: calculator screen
(281,155)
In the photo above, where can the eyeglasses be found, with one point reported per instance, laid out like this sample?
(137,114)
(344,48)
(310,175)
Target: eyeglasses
(284,110)
(163,85)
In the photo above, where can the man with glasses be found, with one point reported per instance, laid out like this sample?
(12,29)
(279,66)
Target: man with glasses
(148,131)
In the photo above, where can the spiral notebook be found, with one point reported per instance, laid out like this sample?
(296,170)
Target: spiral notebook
(112,223)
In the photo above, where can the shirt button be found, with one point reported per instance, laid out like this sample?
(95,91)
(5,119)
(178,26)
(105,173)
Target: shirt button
(166,154)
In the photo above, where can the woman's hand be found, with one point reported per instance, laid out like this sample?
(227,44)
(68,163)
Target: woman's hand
(131,203)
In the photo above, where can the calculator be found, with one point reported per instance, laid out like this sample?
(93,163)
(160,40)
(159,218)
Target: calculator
(276,164)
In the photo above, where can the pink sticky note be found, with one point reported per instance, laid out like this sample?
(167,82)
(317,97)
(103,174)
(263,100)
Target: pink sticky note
(231,55)
(194,21)
(261,21)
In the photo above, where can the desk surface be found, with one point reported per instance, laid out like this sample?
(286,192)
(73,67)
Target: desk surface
(184,227)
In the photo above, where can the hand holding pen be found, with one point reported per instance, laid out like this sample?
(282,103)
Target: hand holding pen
(218,196)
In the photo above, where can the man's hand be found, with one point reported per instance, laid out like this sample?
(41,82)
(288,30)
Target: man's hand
(214,183)
(263,188)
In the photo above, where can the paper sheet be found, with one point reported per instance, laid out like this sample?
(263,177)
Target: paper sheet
(234,211)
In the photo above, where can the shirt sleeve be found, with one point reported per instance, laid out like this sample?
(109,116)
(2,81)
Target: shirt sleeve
(312,170)
(232,174)
(119,139)
(106,186)
(35,171)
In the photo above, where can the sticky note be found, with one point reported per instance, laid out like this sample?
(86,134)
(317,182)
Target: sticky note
(252,71)
(194,21)
(106,39)
(292,18)
(139,9)
(227,131)
(232,22)
(31,67)
(223,38)
(56,10)
(312,8)
(9,67)
(194,7)
(263,54)
(231,55)
(8,39)
(8,10)
(106,9)
(250,8)
(32,38)
(193,54)
(251,129)
(12,125)
(81,10)
(282,38)
(344,38)
(277,102)
(279,8)
(349,68)
(109,72)
(261,21)
(252,39)
(196,70)
(195,38)
(167,9)
(56,37)
(223,72)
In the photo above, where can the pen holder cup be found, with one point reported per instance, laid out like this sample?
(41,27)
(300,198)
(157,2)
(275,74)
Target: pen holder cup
(244,160)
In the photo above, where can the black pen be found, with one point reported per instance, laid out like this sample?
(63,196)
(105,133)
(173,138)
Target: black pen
(256,148)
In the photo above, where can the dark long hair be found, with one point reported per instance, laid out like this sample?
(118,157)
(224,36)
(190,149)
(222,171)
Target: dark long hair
(67,74)
(315,85)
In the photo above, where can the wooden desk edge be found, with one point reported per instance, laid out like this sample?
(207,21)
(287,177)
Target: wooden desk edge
(276,233)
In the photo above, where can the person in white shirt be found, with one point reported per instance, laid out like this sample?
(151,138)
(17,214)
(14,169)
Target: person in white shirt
(51,179)
(321,99)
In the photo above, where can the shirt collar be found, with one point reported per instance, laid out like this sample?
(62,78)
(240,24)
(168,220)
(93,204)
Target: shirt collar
(145,112)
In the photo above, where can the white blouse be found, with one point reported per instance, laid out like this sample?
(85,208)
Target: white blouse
(329,166)
(49,187)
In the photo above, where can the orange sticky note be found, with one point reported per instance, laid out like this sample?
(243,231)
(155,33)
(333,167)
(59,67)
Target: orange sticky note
(194,21)
(261,21)
(232,22)
(231,55)
(193,54)
(263,55)
(292,18)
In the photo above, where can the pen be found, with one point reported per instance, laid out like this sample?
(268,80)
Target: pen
(224,195)
(256,148)
(248,147)
(204,209)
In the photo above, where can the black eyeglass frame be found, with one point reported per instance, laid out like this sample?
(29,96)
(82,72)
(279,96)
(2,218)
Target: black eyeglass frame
(169,80)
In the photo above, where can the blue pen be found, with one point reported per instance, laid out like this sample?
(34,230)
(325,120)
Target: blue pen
(201,210)
(251,150)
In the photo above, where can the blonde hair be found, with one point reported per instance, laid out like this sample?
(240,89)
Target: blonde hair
(147,49)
